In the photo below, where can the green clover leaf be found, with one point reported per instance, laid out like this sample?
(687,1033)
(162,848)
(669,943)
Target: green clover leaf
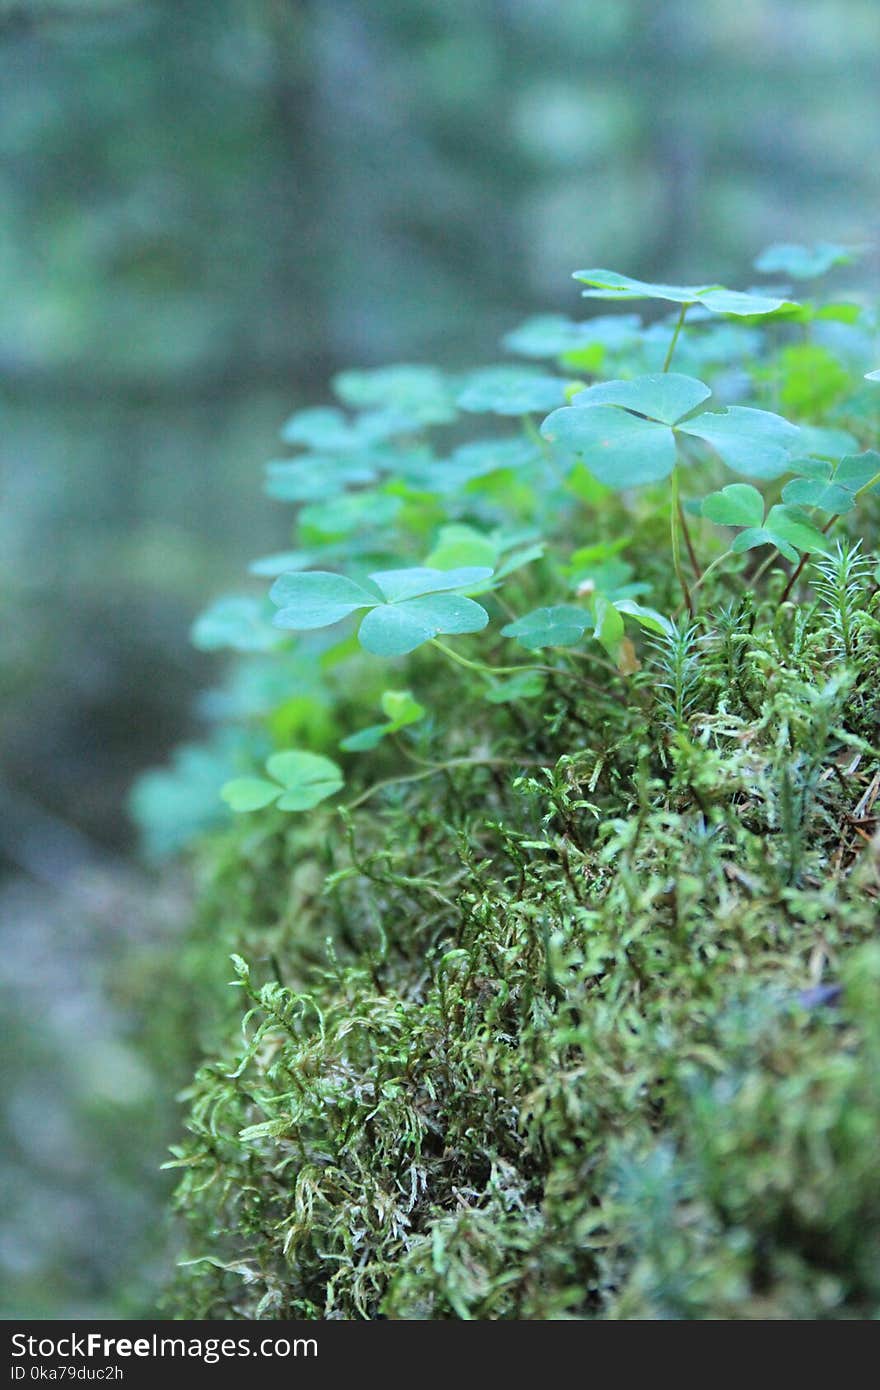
(401,710)
(812,492)
(239,622)
(561,625)
(553,335)
(621,450)
(510,391)
(297,781)
(831,487)
(803,262)
(608,284)
(459,545)
(406,607)
(739,504)
(625,450)
(422,393)
(788,529)
(665,396)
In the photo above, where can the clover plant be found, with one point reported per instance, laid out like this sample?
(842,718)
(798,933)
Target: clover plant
(491,517)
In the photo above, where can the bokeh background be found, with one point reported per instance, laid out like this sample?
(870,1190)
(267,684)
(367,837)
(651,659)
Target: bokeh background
(206,208)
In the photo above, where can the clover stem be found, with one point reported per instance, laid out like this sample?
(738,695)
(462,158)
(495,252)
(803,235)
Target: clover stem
(534,434)
(676,541)
(678,327)
(866,487)
(796,573)
(485,670)
(685,531)
(765,565)
(442,767)
(709,569)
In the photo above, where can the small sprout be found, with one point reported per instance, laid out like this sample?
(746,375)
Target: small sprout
(646,617)
(787,528)
(401,710)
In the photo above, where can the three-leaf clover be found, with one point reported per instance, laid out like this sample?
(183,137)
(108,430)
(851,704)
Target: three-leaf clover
(401,710)
(419,392)
(803,262)
(607,284)
(237,621)
(629,432)
(406,607)
(510,391)
(553,335)
(831,487)
(280,562)
(459,545)
(563,625)
(786,527)
(317,477)
(298,782)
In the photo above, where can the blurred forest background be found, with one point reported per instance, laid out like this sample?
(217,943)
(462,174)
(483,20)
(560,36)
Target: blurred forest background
(207,208)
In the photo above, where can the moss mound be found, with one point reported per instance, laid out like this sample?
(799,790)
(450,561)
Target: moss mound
(588,1030)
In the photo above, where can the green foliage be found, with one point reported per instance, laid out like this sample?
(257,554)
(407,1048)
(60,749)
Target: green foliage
(299,781)
(785,527)
(510,391)
(241,623)
(608,284)
(560,626)
(569,1010)
(738,504)
(401,711)
(803,262)
(629,432)
(418,605)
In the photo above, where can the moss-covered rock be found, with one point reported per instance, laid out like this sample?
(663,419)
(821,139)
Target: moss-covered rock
(587,1029)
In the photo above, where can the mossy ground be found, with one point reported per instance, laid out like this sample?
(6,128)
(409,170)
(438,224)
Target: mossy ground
(544,1041)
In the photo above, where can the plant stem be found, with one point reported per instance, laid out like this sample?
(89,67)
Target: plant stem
(442,767)
(676,542)
(685,531)
(872,482)
(796,573)
(485,670)
(678,517)
(534,434)
(709,568)
(678,327)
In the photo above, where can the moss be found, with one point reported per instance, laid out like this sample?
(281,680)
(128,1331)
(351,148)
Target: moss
(544,1041)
